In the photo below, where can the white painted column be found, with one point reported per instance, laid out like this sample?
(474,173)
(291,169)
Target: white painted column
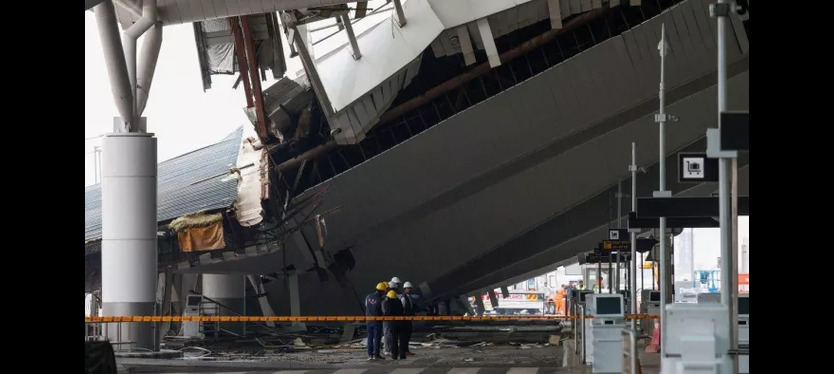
(128,244)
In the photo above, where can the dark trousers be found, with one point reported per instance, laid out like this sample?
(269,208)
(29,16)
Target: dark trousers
(374,338)
(405,337)
(395,337)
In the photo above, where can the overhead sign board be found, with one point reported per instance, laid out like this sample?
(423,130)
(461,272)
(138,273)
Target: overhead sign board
(616,245)
(697,168)
(735,131)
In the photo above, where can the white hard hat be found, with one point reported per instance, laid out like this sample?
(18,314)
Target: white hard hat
(407,285)
(392,285)
(396,280)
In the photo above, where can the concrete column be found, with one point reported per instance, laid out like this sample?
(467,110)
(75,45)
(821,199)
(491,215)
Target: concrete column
(295,300)
(228,290)
(493,298)
(479,304)
(128,244)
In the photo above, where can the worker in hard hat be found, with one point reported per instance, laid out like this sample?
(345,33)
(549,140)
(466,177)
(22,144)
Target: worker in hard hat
(393,285)
(409,309)
(373,307)
(393,307)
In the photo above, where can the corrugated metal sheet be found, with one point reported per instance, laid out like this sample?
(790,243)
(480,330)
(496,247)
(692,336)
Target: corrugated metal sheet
(185,184)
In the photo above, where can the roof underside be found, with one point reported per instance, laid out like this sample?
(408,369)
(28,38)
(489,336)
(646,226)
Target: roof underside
(185,184)
(175,12)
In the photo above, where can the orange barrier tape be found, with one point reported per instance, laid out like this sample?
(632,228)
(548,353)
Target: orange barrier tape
(111,319)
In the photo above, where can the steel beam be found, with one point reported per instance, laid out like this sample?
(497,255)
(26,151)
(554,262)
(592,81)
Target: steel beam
(489,43)
(255,77)
(466,45)
(352,37)
(243,67)
(400,13)
(555,14)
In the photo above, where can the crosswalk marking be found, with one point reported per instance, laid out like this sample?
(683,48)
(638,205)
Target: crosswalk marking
(523,371)
(463,371)
(406,371)
(377,370)
(350,371)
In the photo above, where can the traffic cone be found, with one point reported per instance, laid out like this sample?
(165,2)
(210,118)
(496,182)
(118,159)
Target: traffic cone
(654,346)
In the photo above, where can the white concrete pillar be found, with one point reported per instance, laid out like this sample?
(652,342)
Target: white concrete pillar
(128,224)
(228,290)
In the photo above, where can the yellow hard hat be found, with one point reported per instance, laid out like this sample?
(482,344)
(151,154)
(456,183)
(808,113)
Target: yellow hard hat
(392,295)
(382,286)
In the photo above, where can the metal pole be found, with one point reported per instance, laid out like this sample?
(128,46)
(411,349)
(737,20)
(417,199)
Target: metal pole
(610,259)
(633,279)
(726,170)
(664,287)
(244,304)
(654,261)
(642,271)
(619,226)
(582,316)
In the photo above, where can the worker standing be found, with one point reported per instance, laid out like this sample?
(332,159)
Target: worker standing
(409,309)
(581,285)
(393,285)
(560,300)
(373,308)
(393,307)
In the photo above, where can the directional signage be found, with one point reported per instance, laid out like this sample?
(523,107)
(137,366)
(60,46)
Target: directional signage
(597,258)
(616,245)
(696,167)
(617,234)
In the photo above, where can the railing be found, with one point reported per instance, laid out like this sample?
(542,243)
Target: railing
(629,351)
(100,332)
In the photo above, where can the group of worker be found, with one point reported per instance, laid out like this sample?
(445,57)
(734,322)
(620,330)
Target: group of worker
(565,294)
(390,300)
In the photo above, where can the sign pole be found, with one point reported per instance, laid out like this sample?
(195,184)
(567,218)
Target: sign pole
(633,278)
(660,118)
(727,169)
(620,225)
